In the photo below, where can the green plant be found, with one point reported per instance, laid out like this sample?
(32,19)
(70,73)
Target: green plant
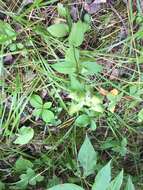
(24,136)
(42,109)
(87,158)
(115,145)
(22,165)
(30,177)
(7,33)
(90,68)
(102,181)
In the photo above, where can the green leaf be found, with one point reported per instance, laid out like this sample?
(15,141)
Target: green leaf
(47,116)
(74,108)
(76,36)
(24,136)
(30,177)
(20,45)
(103,178)
(72,55)
(36,101)
(90,68)
(37,112)
(66,186)
(36,178)
(140,115)
(58,30)
(87,157)
(117,182)
(76,85)
(129,185)
(47,105)
(6,32)
(12,47)
(87,18)
(93,125)
(82,120)
(53,182)
(64,67)
(24,179)
(62,10)
(22,165)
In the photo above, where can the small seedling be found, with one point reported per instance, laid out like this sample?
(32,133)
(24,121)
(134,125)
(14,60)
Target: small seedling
(42,110)
(22,164)
(30,177)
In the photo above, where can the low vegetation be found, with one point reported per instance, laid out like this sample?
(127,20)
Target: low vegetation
(71,89)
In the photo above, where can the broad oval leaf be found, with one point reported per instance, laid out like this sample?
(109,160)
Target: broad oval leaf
(87,157)
(103,178)
(82,120)
(58,30)
(76,36)
(129,185)
(66,186)
(74,108)
(117,182)
(90,68)
(47,116)
(76,85)
(64,67)
(47,105)
(24,136)
(37,112)
(36,101)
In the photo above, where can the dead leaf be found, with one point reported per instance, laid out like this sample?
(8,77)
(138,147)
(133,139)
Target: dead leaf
(114,74)
(103,92)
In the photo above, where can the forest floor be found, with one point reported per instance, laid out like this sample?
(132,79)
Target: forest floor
(71,89)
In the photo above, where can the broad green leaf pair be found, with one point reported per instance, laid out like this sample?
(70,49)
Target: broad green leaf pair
(72,64)
(42,109)
(76,36)
(68,66)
